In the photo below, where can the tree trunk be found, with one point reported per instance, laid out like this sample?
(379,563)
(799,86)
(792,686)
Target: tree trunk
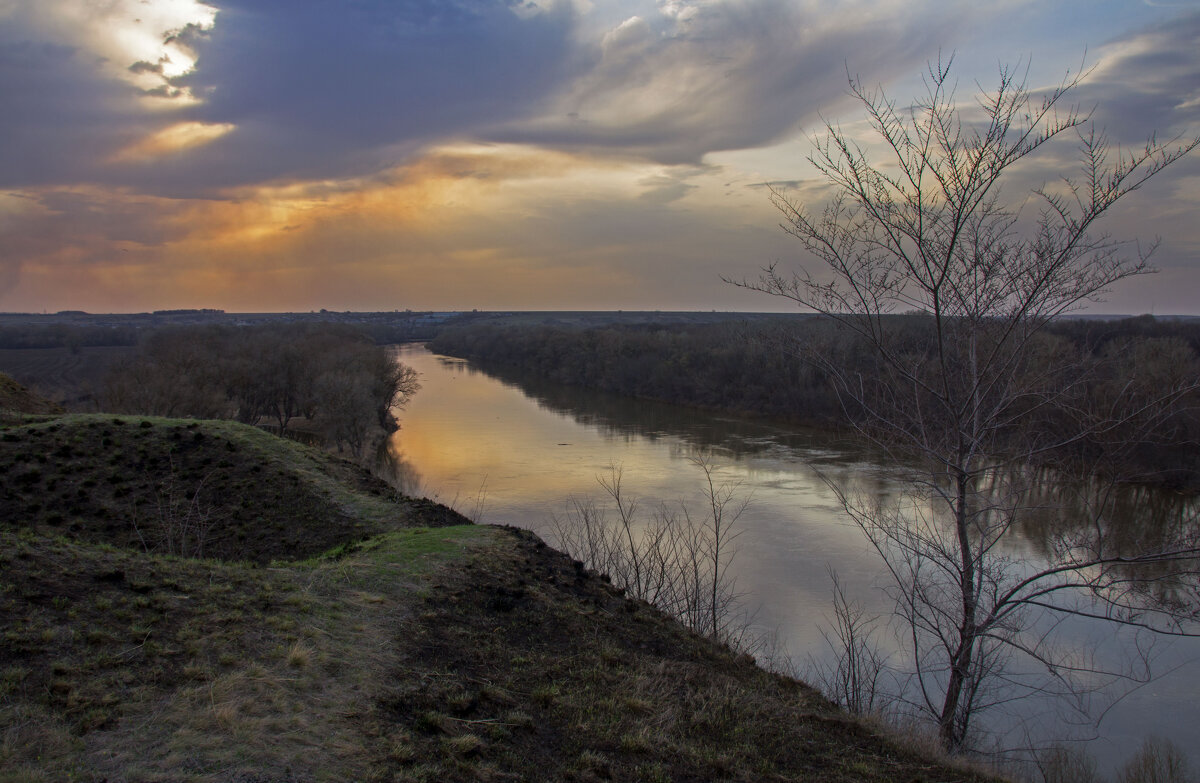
(953,735)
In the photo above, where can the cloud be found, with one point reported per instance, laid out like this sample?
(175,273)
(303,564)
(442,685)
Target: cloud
(309,90)
(296,153)
(335,89)
(301,90)
(58,118)
(1144,82)
(76,78)
(469,225)
(698,77)
(1148,81)
(172,139)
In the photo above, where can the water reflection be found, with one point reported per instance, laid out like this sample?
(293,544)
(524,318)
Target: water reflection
(618,416)
(392,466)
(531,446)
(1092,519)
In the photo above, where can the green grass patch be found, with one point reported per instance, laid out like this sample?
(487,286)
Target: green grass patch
(406,558)
(417,550)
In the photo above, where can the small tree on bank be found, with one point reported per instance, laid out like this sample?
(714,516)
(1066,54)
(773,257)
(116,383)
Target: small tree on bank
(981,398)
(675,559)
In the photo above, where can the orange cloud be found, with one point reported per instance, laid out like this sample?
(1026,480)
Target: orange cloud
(463,226)
(175,138)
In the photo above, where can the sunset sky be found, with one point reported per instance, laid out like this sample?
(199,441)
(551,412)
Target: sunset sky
(269,155)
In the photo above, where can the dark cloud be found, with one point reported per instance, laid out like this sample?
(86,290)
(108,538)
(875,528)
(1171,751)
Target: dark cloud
(141,66)
(58,117)
(1148,81)
(315,89)
(730,75)
(86,223)
(318,89)
(327,89)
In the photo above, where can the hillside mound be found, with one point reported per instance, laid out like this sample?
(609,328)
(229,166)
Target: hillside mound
(16,398)
(124,666)
(523,665)
(460,653)
(213,489)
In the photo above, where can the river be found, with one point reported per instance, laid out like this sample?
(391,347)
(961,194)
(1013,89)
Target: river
(517,454)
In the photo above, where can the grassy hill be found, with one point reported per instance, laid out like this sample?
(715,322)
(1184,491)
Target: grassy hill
(331,629)
(175,486)
(16,398)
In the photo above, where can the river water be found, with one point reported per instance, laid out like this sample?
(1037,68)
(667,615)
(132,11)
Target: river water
(518,453)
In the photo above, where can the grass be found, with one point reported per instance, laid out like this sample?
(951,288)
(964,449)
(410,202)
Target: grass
(172,669)
(131,481)
(456,653)
(547,673)
(337,631)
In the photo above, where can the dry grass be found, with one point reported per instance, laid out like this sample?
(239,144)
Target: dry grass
(440,655)
(547,673)
(214,671)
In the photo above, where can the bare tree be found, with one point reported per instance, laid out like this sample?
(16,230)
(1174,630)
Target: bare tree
(336,376)
(714,548)
(392,384)
(182,522)
(1157,761)
(855,679)
(347,408)
(676,561)
(979,397)
(1066,764)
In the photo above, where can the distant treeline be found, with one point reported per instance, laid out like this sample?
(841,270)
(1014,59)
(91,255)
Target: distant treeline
(76,329)
(330,375)
(66,336)
(757,368)
(725,366)
(381,329)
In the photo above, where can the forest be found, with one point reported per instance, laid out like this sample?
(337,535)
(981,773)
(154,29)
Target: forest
(338,384)
(758,368)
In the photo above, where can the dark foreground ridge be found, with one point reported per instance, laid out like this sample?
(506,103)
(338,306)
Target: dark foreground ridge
(334,630)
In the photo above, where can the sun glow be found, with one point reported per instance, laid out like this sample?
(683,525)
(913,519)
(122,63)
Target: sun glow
(420,229)
(142,42)
(176,138)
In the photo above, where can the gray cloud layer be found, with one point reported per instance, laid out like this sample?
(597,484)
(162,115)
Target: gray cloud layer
(1149,80)
(58,118)
(729,75)
(315,89)
(322,89)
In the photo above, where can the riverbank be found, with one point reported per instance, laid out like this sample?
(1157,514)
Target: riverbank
(336,630)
